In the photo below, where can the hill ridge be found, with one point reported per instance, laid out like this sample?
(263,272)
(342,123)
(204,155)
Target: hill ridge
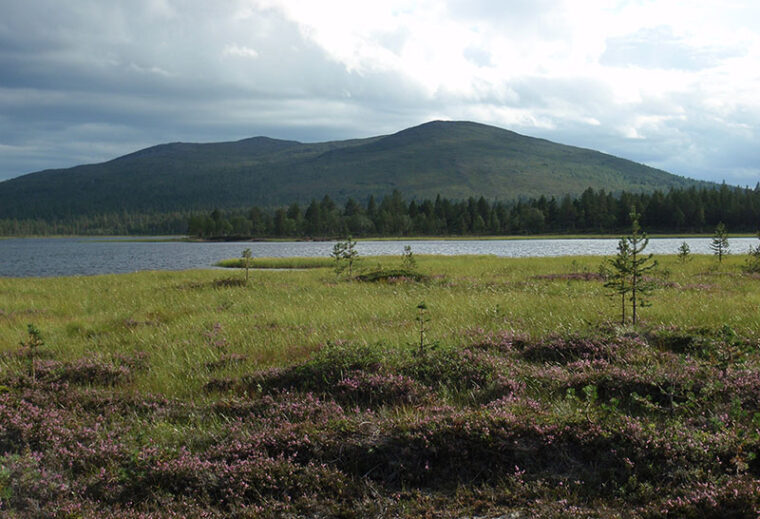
(456,159)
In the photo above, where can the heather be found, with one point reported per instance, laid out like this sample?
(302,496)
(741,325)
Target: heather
(179,406)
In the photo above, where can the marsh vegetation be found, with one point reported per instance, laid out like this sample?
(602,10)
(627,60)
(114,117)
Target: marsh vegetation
(515,389)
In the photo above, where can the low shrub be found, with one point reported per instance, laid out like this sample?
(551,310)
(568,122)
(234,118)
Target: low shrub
(502,341)
(92,371)
(321,372)
(454,369)
(229,282)
(569,349)
(392,275)
(225,360)
(378,389)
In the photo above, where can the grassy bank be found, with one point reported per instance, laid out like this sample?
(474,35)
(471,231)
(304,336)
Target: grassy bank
(278,263)
(191,393)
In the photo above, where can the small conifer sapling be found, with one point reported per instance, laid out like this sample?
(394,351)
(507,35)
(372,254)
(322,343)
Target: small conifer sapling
(752,265)
(719,244)
(684,252)
(32,344)
(345,254)
(246,262)
(422,319)
(628,269)
(617,273)
(408,261)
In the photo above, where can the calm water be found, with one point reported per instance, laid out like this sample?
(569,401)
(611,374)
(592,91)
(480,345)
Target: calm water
(85,256)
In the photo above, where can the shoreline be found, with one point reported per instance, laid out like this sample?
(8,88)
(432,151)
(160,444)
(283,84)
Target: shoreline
(187,239)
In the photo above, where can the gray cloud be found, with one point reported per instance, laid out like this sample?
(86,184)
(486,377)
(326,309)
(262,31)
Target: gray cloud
(87,81)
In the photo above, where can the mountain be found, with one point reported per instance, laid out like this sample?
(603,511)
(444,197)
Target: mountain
(454,159)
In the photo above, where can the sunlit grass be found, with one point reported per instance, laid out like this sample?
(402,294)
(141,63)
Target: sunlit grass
(278,263)
(281,317)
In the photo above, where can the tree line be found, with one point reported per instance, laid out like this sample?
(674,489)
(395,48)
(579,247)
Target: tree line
(594,211)
(117,223)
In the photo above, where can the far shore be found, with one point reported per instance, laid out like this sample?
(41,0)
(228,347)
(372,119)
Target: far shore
(183,238)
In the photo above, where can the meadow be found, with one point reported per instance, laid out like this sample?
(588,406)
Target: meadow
(302,393)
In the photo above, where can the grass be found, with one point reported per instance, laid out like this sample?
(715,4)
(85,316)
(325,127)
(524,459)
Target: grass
(301,393)
(281,317)
(278,263)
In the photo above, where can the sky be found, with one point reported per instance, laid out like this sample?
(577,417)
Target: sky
(669,83)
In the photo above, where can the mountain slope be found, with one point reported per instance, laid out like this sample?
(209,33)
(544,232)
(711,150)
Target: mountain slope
(454,159)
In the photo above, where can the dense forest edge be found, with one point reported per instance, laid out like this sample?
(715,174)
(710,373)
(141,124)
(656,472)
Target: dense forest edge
(680,210)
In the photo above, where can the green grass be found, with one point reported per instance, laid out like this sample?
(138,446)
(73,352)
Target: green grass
(527,399)
(281,317)
(278,263)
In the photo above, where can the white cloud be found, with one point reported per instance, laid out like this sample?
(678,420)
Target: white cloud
(240,51)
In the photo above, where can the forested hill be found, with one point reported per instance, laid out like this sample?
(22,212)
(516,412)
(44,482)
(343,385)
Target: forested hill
(457,160)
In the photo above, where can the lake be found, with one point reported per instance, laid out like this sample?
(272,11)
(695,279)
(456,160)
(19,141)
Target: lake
(32,257)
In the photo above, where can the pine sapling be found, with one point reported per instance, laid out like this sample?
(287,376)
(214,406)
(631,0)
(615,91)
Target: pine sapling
(345,254)
(628,269)
(408,261)
(618,271)
(640,264)
(752,264)
(337,255)
(422,319)
(350,254)
(719,244)
(684,252)
(32,345)
(246,262)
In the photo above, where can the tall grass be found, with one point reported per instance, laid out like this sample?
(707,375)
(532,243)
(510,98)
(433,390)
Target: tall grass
(304,394)
(282,317)
(278,263)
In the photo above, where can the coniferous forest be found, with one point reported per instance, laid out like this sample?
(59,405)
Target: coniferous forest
(678,210)
(688,210)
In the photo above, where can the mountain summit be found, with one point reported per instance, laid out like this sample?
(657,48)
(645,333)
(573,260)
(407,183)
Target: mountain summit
(453,159)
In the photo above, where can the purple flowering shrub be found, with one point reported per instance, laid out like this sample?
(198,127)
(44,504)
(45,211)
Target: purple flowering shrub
(377,389)
(726,497)
(595,426)
(568,349)
(701,342)
(94,370)
(502,341)
(84,371)
(359,375)
(456,369)
(281,407)
(321,372)
(27,484)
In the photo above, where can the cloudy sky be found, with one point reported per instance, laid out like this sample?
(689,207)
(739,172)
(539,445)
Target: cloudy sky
(674,84)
